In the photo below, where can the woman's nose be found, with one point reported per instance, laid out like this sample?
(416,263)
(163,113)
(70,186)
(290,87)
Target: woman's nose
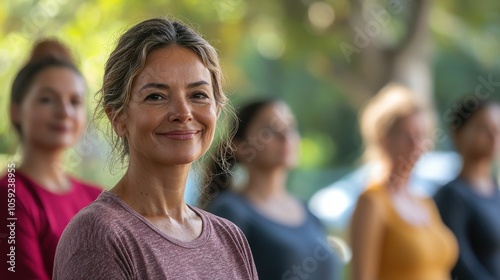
(180,111)
(63,109)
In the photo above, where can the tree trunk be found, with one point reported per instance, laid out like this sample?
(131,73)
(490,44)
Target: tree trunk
(378,63)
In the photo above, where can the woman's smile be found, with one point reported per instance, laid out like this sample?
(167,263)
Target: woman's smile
(180,134)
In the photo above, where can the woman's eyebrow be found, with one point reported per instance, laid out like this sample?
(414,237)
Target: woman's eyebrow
(166,86)
(197,84)
(154,85)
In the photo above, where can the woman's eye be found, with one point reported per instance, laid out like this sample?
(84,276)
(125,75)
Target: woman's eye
(45,100)
(154,96)
(200,95)
(75,102)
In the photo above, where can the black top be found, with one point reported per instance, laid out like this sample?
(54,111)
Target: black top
(281,251)
(475,221)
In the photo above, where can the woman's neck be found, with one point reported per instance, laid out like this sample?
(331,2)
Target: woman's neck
(478,174)
(154,190)
(46,168)
(394,176)
(266,184)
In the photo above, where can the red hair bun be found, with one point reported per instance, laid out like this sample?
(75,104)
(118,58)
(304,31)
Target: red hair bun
(51,48)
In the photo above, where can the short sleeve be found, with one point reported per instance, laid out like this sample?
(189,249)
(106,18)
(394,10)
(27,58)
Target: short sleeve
(91,248)
(88,263)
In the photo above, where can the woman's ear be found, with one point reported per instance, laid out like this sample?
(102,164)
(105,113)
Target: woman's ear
(117,121)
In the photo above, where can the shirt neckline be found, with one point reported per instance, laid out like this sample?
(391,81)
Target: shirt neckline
(198,241)
(39,187)
(394,211)
(262,216)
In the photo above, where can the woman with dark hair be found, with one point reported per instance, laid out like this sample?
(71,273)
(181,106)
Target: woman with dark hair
(470,204)
(287,241)
(162,94)
(47,110)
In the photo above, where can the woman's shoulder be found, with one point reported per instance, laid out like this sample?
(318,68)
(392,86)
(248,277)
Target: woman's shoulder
(104,214)
(453,190)
(373,193)
(99,234)
(15,185)
(99,226)
(373,201)
(12,180)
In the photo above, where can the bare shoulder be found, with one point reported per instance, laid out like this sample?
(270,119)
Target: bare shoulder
(371,200)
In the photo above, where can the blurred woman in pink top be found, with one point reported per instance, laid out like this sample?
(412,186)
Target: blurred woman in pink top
(37,197)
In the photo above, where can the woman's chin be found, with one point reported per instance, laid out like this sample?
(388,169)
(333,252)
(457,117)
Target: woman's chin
(179,159)
(57,144)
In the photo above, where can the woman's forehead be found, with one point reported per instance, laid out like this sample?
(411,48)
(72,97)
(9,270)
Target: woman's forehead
(175,64)
(275,112)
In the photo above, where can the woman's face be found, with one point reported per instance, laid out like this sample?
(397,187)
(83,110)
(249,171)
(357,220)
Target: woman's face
(405,141)
(480,136)
(52,113)
(271,139)
(172,113)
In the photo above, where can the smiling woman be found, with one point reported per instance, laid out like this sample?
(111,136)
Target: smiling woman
(162,94)
(172,100)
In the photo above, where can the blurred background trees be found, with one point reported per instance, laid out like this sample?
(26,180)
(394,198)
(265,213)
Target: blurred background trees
(324,58)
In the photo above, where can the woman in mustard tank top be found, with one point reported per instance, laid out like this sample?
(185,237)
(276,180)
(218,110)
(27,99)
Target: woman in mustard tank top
(395,234)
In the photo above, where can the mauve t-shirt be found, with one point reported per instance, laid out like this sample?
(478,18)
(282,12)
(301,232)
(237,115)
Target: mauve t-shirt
(109,240)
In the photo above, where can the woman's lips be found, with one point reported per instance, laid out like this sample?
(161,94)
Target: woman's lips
(59,128)
(181,134)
